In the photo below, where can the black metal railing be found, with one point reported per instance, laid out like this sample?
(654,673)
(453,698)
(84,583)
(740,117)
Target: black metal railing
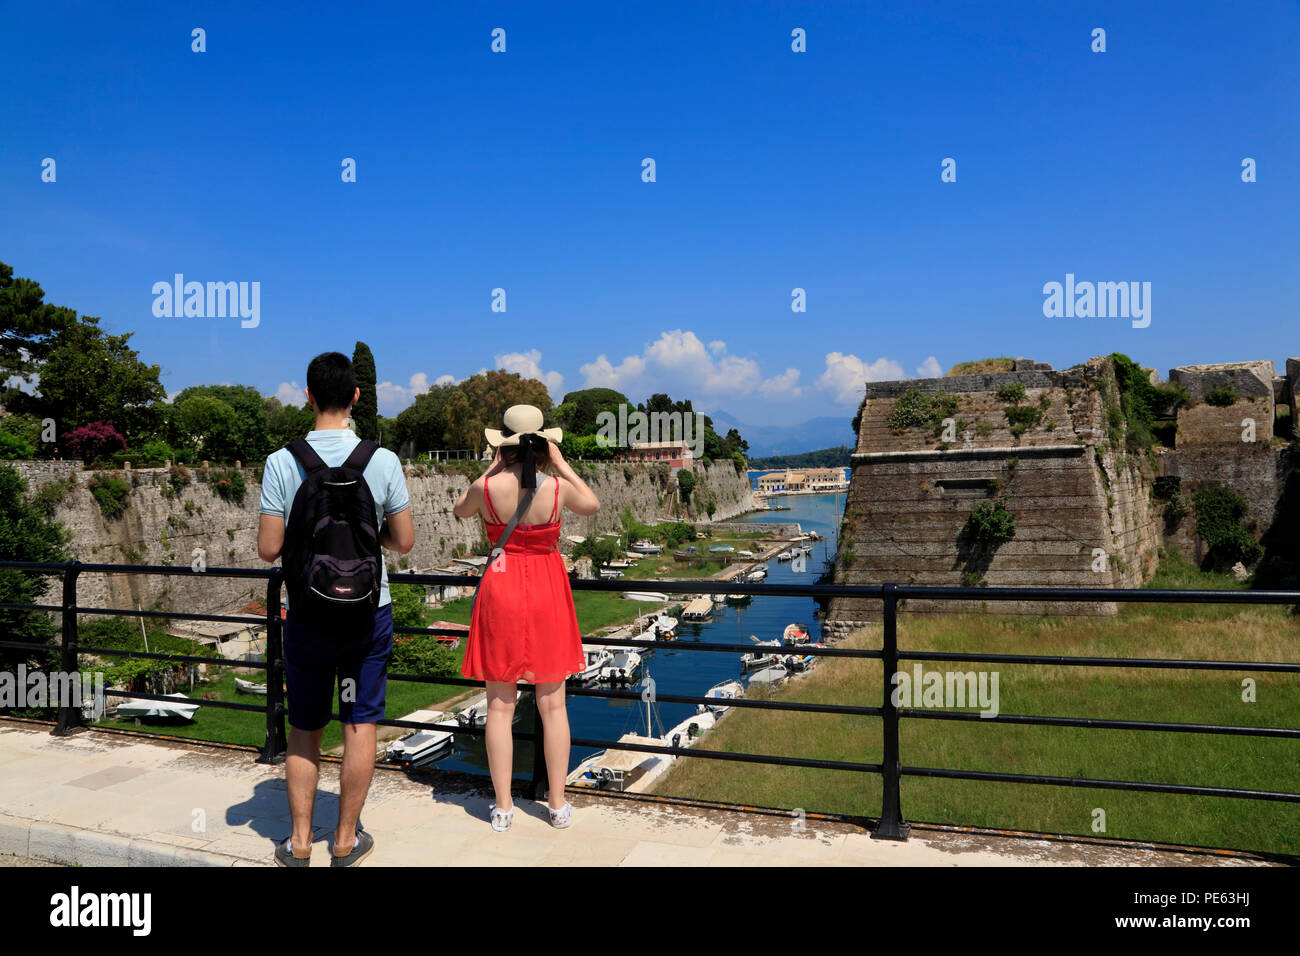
(891,824)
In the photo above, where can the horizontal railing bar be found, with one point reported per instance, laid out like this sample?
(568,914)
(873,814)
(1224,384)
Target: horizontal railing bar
(179,658)
(1079,595)
(31,645)
(1104,723)
(182,615)
(783,649)
(850,710)
(1152,662)
(1092,784)
(31,607)
(221,704)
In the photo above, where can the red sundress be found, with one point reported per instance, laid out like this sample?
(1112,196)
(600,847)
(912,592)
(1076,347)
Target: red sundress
(524,626)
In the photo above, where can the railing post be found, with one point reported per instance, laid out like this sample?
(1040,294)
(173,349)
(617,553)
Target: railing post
(69,716)
(537,788)
(891,825)
(276,744)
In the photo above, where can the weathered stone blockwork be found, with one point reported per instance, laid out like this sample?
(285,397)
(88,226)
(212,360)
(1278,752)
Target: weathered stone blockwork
(158,529)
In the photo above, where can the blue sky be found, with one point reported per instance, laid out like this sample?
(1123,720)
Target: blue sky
(774,170)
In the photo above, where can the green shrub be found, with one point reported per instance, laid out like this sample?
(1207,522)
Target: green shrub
(1022,418)
(1012,392)
(422,655)
(1219,513)
(111,495)
(15,447)
(229,484)
(1222,396)
(50,495)
(991,523)
(178,478)
(153,453)
(917,409)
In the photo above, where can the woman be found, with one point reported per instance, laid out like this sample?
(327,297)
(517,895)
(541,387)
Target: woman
(524,627)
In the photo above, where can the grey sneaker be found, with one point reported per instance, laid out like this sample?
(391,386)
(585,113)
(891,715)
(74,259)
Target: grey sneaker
(284,854)
(360,850)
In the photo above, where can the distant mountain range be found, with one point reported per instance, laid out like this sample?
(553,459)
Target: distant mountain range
(766,440)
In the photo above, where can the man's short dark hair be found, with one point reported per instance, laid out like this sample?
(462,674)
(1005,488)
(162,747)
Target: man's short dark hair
(332,381)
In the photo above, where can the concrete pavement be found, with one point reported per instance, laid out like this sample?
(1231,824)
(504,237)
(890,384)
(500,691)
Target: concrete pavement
(99,798)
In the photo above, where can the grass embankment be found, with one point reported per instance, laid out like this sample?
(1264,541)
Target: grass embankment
(1170,631)
(665,566)
(595,609)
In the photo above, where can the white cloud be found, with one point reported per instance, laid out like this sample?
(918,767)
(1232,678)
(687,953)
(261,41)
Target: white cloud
(845,375)
(602,374)
(782,387)
(289,393)
(678,362)
(930,368)
(394,398)
(529,365)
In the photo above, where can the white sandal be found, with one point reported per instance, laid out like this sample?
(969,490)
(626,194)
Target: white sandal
(501,819)
(562,817)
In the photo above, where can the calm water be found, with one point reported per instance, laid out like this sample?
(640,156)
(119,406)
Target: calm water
(677,671)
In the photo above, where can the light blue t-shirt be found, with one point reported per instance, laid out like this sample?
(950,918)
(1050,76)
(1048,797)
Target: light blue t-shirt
(283,474)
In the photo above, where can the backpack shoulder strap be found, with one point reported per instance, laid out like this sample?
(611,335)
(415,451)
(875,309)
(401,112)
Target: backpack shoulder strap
(361,455)
(301,449)
(514,520)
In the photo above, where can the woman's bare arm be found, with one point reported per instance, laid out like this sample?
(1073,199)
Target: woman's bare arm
(470,502)
(576,496)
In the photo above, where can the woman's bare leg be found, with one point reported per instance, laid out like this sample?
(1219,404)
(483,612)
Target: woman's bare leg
(500,747)
(555,720)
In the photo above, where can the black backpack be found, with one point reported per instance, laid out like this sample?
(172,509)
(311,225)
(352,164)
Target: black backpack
(333,569)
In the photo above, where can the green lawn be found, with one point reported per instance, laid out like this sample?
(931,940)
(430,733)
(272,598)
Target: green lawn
(1188,631)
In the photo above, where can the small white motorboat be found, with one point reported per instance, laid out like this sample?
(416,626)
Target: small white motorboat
(760,658)
(655,597)
(757,574)
(785,555)
(723,691)
(664,627)
(796,634)
(646,547)
(420,745)
(622,668)
(744,554)
(597,657)
(249,687)
(474,713)
(769,676)
(690,729)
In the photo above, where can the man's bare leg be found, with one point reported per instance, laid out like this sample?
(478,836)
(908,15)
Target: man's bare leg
(301,773)
(354,779)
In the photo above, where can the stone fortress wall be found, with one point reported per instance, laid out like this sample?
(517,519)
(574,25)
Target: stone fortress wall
(1085,514)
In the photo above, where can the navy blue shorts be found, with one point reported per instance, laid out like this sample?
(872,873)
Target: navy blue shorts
(314,665)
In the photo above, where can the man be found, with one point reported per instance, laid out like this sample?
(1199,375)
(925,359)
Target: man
(313,661)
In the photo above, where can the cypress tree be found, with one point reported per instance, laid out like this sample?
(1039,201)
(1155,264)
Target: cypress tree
(365,413)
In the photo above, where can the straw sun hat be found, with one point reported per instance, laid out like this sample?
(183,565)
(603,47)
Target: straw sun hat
(521,420)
